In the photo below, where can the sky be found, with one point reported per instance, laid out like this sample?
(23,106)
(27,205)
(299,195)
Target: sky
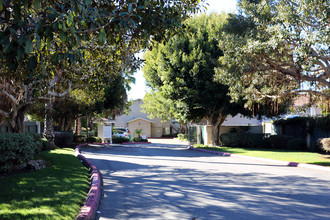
(139,89)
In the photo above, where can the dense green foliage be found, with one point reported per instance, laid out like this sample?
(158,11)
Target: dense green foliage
(138,139)
(63,139)
(46,46)
(55,192)
(248,140)
(16,149)
(119,140)
(280,141)
(183,137)
(79,138)
(274,48)
(182,70)
(94,139)
(296,144)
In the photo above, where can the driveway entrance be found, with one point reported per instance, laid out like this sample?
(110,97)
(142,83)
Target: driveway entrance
(164,180)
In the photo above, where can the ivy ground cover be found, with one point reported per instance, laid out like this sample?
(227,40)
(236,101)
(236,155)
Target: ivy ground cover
(55,192)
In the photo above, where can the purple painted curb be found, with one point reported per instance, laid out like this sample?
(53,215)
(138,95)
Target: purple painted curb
(280,162)
(88,211)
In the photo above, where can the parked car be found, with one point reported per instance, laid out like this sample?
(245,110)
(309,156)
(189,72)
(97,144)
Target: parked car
(121,132)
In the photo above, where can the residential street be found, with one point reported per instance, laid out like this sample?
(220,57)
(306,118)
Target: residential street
(164,180)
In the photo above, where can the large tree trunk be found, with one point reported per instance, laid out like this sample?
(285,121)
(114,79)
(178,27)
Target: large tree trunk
(2,120)
(49,129)
(216,121)
(78,126)
(68,123)
(16,119)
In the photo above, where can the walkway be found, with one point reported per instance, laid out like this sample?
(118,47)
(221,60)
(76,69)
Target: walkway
(163,180)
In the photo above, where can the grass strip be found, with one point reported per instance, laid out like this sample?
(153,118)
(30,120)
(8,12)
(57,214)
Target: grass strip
(55,192)
(284,155)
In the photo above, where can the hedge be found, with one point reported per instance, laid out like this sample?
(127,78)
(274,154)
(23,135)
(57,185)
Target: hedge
(137,139)
(94,139)
(280,141)
(247,140)
(183,137)
(119,140)
(16,149)
(296,144)
(63,139)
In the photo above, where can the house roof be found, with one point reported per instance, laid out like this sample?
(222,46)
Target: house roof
(135,119)
(104,120)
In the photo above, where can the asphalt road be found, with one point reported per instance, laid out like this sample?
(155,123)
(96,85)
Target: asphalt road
(164,180)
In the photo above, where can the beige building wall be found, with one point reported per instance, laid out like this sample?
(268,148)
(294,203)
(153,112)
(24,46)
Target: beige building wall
(156,127)
(140,124)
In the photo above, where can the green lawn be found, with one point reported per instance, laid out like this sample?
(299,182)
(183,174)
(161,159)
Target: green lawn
(285,155)
(55,192)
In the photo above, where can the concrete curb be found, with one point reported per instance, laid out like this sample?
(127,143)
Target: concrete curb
(279,162)
(88,211)
(129,143)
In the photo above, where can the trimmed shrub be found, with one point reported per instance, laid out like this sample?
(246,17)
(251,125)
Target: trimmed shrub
(119,140)
(296,144)
(325,144)
(169,135)
(44,144)
(280,141)
(137,139)
(246,140)
(79,138)
(16,149)
(63,139)
(183,137)
(94,139)
(231,139)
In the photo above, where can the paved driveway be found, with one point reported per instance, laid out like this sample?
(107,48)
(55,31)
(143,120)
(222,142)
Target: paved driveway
(163,180)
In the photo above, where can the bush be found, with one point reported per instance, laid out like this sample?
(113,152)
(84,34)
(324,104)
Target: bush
(39,140)
(94,139)
(137,139)
(183,137)
(44,144)
(325,144)
(16,149)
(63,139)
(280,141)
(119,140)
(230,139)
(247,140)
(79,138)
(296,144)
(169,135)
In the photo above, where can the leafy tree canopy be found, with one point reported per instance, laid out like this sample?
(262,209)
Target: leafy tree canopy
(45,46)
(276,48)
(182,70)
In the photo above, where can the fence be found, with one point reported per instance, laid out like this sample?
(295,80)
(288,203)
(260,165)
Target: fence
(29,126)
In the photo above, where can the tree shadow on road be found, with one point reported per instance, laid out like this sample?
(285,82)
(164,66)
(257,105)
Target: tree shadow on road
(138,191)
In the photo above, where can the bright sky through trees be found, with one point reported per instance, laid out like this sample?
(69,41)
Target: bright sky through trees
(139,88)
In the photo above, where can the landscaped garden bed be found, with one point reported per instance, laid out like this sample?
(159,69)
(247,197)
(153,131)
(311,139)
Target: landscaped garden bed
(55,192)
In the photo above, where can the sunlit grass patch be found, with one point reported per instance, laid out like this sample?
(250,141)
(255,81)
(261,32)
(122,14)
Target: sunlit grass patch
(55,192)
(285,155)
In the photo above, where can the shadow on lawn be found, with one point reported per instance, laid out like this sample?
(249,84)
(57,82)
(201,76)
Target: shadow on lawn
(55,192)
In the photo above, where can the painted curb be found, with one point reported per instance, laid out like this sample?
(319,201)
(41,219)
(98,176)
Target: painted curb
(88,211)
(279,162)
(129,143)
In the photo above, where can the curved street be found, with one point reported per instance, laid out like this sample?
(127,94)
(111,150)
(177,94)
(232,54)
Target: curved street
(164,180)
